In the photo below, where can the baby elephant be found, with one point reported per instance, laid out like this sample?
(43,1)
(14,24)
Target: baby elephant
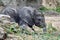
(26,16)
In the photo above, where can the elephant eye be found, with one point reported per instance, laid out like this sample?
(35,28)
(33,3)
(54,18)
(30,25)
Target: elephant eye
(39,19)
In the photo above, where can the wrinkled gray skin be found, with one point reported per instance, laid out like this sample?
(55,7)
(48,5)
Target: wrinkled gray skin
(26,16)
(11,12)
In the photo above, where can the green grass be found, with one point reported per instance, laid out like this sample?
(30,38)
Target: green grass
(43,8)
(26,35)
(57,9)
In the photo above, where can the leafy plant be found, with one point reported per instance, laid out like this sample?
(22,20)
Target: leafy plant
(58,9)
(43,8)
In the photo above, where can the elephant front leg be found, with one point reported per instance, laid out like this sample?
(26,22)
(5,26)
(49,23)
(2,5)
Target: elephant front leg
(44,30)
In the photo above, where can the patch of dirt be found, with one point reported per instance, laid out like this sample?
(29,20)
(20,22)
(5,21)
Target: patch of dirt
(54,20)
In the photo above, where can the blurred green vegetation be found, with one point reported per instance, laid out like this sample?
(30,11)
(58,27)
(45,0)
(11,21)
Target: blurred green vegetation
(43,8)
(57,9)
(25,34)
